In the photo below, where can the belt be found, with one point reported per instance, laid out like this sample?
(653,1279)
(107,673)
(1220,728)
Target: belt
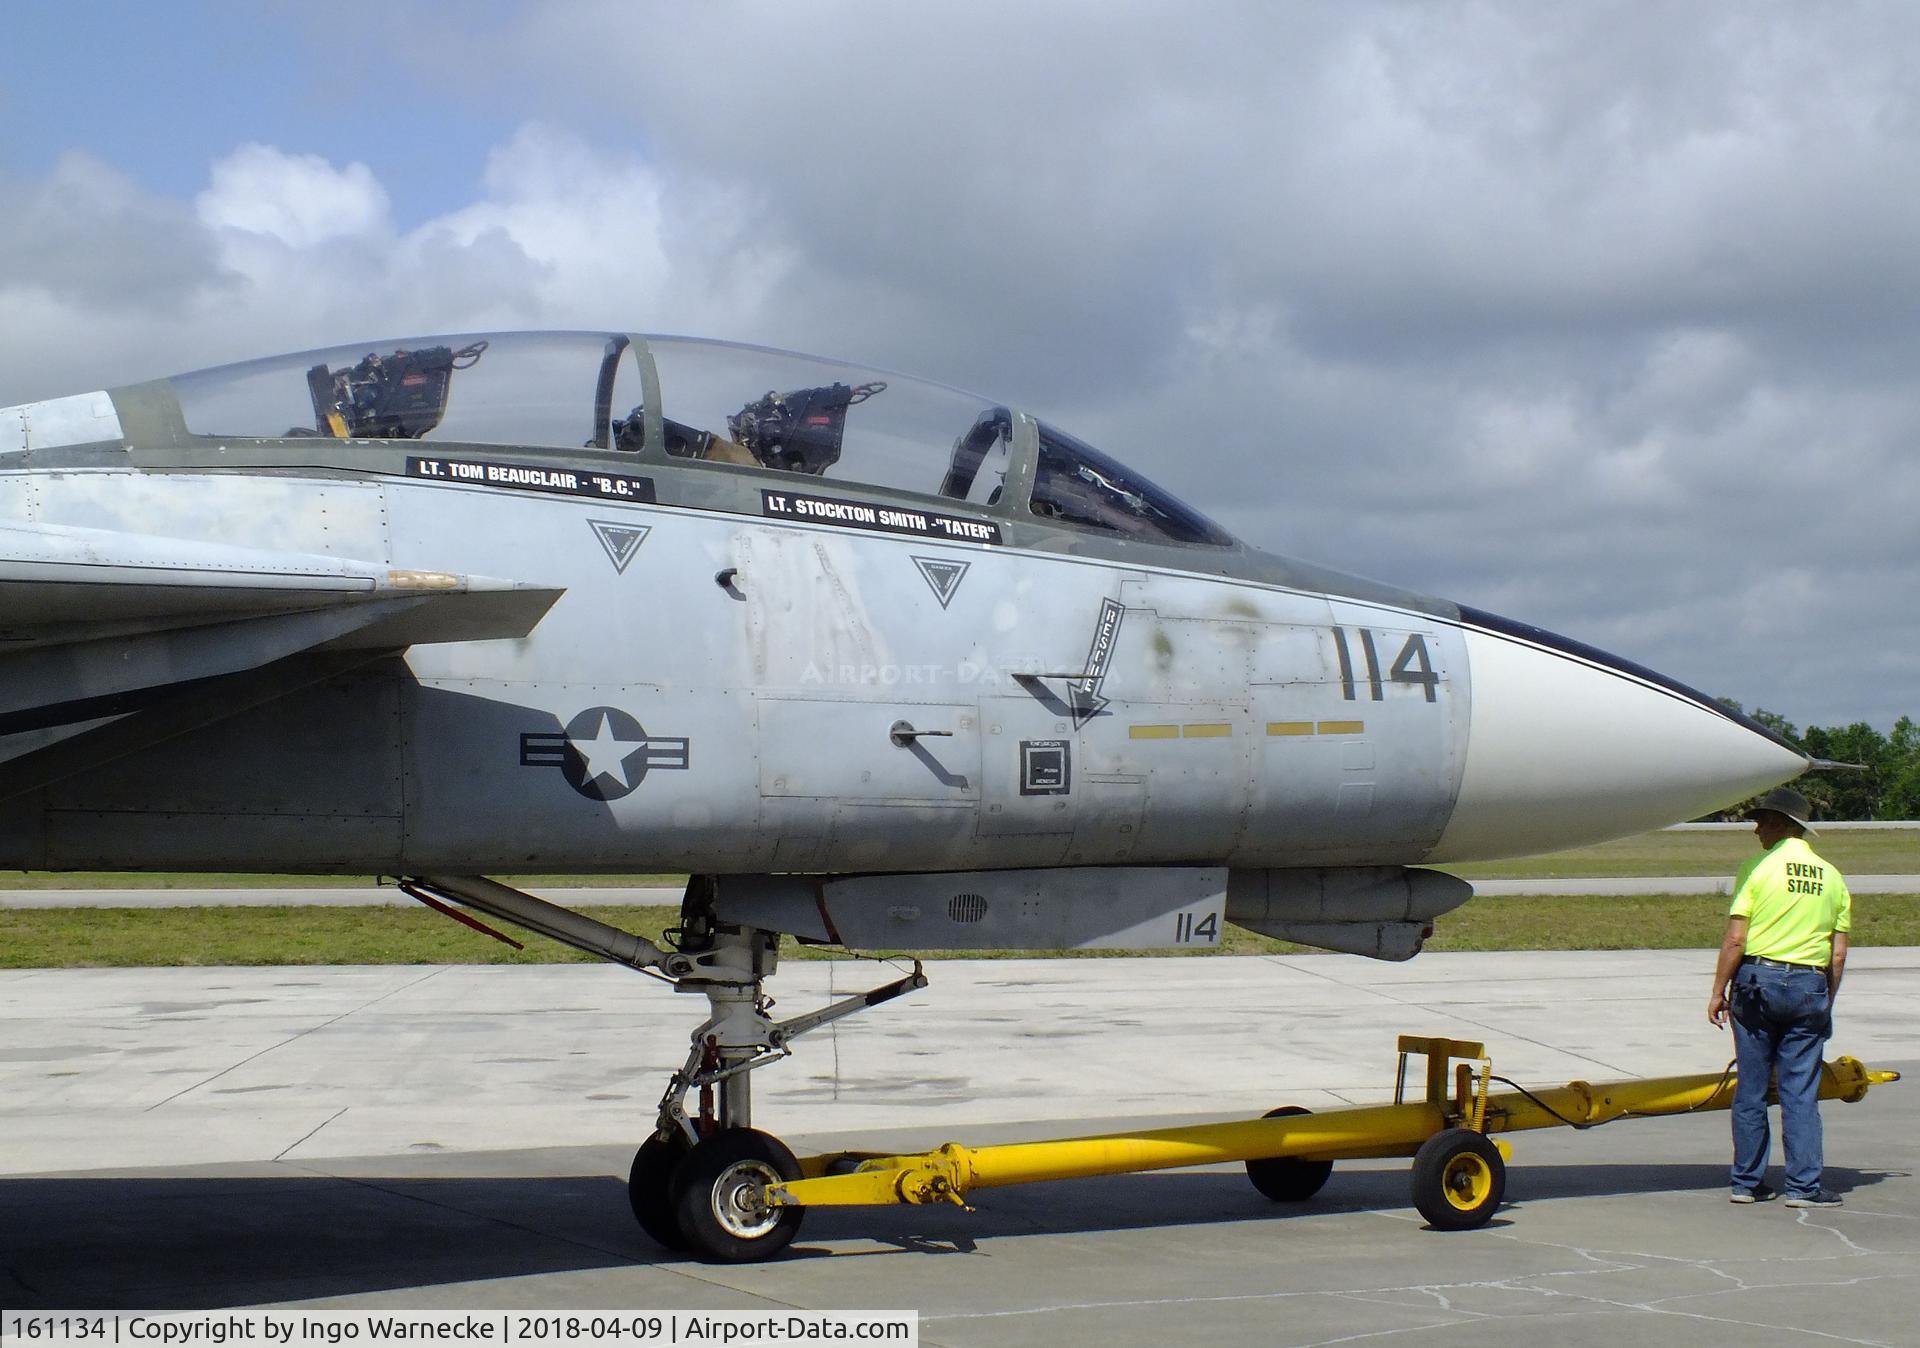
(1781,964)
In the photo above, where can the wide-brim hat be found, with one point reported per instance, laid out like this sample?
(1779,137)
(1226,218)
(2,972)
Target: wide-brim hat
(1785,800)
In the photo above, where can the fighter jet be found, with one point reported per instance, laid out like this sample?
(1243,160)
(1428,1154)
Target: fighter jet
(877,662)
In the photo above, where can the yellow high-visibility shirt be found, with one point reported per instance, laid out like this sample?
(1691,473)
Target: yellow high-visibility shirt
(1794,901)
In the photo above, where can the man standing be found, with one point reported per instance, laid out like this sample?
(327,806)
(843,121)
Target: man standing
(1779,969)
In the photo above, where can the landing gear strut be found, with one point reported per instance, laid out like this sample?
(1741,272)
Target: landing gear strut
(698,1185)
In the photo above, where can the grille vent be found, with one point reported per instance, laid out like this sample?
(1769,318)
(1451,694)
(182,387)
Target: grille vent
(967,907)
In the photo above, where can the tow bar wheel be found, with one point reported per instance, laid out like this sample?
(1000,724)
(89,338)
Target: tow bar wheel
(1459,1179)
(720,1197)
(1288,1179)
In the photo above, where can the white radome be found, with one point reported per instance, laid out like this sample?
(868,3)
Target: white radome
(1564,751)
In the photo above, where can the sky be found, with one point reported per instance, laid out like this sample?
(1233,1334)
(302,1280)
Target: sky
(1603,316)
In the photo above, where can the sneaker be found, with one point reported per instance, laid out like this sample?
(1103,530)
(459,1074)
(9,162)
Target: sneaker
(1819,1198)
(1759,1193)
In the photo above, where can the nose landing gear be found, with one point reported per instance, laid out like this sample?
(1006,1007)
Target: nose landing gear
(699,1185)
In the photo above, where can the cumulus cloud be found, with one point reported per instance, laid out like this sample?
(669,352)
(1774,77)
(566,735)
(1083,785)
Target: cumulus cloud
(88,237)
(284,250)
(298,200)
(614,244)
(1605,316)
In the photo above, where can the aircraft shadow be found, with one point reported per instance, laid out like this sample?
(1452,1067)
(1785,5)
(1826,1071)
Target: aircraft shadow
(202,1241)
(208,1241)
(1183,1198)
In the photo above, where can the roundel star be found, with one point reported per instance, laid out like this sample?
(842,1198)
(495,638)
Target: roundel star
(604,747)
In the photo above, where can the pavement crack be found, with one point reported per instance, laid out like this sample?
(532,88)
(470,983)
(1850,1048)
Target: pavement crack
(13,1276)
(1805,1218)
(1438,1291)
(294,1038)
(316,1128)
(1387,995)
(1383,1333)
(1661,1305)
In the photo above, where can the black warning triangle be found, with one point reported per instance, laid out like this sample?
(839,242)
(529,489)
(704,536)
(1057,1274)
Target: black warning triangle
(943,576)
(620,540)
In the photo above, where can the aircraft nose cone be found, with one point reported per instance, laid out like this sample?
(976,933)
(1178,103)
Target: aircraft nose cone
(1568,745)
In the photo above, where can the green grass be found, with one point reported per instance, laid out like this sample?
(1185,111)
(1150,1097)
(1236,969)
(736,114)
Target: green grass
(1705,852)
(167,937)
(32,938)
(1641,922)
(125,937)
(1710,852)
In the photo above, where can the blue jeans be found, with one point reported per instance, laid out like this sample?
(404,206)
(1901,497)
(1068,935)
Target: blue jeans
(1781,1017)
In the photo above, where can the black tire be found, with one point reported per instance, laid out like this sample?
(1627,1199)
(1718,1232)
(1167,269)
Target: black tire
(717,1191)
(1288,1179)
(650,1190)
(1459,1179)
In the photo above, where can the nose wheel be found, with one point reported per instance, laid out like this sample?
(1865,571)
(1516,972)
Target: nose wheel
(709,1200)
(649,1189)
(719,1197)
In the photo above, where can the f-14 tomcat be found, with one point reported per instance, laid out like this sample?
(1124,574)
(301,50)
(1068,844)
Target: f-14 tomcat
(877,662)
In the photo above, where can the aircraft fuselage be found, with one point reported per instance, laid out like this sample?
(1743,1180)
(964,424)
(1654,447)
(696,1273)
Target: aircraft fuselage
(671,653)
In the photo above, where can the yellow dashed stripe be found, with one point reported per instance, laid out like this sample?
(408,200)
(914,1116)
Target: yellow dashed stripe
(1192,730)
(1215,730)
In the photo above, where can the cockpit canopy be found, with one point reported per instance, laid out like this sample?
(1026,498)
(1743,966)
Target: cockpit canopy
(714,403)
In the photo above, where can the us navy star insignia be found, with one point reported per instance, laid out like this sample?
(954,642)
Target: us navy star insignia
(604,753)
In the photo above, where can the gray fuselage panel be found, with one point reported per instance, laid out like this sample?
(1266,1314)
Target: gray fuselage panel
(716,691)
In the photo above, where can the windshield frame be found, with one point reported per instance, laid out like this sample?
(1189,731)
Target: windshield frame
(1021,449)
(1111,498)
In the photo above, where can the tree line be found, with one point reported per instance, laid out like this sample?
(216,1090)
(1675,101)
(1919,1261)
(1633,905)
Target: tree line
(1886,784)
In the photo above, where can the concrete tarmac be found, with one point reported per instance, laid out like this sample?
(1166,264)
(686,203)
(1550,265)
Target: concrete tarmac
(458,1136)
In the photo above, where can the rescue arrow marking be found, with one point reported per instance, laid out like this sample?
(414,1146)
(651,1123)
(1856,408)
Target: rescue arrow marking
(1083,694)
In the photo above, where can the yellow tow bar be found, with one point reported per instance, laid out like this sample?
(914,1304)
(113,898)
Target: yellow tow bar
(1459,1173)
